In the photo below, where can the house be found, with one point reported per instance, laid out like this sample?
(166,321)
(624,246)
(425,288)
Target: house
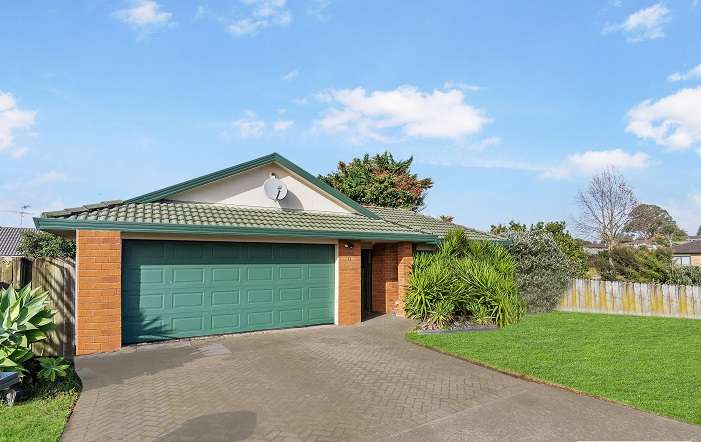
(593,248)
(9,240)
(688,253)
(256,246)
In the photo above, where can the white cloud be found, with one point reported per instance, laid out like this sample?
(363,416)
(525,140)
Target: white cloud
(281,125)
(673,121)
(462,86)
(691,74)
(379,115)
(249,126)
(290,75)
(592,161)
(645,24)
(144,15)
(318,9)
(13,119)
(263,14)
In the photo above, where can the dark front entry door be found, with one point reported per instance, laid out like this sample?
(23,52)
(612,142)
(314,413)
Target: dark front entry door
(366,281)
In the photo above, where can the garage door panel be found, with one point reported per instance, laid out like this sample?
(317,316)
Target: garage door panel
(263,273)
(226,298)
(180,289)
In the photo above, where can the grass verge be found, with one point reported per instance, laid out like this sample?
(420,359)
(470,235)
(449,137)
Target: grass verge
(653,364)
(43,415)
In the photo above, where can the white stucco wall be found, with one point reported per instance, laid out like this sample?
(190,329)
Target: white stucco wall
(246,189)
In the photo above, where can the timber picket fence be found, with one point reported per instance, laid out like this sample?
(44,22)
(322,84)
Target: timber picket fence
(58,277)
(629,298)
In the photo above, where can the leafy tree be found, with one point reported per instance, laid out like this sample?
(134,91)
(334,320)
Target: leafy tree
(543,271)
(38,244)
(381,181)
(569,245)
(648,221)
(637,265)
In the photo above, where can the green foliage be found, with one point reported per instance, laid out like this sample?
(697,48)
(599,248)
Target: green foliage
(698,231)
(642,265)
(24,319)
(543,271)
(558,229)
(649,221)
(442,313)
(37,244)
(464,279)
(381,181)
(683,275)
(53,368)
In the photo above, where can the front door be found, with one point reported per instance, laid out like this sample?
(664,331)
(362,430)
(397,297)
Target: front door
(366,281)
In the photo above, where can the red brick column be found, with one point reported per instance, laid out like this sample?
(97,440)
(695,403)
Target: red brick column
(99,287)
(348,283)
(384,277)
(405,259)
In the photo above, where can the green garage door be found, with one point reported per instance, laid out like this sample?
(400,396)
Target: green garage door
(177,289)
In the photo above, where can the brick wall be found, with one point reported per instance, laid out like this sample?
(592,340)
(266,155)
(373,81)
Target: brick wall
(405,259)
(384,277)
(99,310)
(349,283)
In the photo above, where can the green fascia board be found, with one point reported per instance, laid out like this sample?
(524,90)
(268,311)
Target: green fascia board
(64,224)
(243,167)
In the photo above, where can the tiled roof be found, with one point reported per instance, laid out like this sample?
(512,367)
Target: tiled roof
(228,216)
(9,240)
(427,224)
(691,247)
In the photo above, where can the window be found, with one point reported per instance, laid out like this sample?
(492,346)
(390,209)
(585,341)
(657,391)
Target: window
(682,260)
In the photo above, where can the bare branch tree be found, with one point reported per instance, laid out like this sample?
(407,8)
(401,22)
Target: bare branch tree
(605,206)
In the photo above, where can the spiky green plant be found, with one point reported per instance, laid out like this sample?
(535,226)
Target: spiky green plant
(25,318)
(53,368)
(442,313)
(467,276)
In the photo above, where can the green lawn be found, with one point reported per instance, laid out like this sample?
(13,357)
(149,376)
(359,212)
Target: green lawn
(653,364)
(41,418)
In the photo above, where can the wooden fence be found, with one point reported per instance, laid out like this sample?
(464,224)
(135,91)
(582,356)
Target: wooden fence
(628,298)
(58,277)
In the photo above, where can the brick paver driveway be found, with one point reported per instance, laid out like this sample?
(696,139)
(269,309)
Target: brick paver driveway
(326,383)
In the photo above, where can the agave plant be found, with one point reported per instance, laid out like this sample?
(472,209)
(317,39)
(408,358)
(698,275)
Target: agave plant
(25,318)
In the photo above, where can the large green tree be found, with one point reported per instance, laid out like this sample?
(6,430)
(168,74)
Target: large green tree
(649,221)
(380,180)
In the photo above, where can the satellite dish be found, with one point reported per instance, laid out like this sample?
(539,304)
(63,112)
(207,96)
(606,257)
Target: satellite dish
(275,189)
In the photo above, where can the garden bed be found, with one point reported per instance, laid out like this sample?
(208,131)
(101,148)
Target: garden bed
(455,327)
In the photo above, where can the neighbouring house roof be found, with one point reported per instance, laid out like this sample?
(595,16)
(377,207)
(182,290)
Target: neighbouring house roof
(9,240)
(689,248)
(186,217)
(428,224)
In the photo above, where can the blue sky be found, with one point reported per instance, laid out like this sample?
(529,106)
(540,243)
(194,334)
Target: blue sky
(508,106)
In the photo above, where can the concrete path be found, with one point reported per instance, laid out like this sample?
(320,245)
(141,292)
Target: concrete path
(328,383)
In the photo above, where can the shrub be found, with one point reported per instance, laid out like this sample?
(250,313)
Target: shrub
(683,275)
(463,278)
(53,368)
(543,271)
(24,319)
(624,263)
(37,244)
